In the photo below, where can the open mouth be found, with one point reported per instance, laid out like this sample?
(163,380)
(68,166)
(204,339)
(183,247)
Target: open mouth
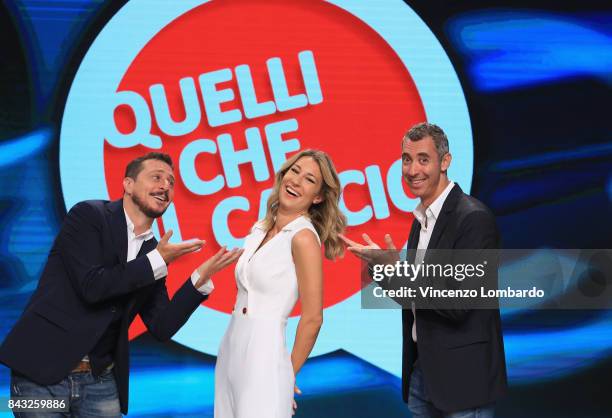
(163,197)
(291,192)
(417,182)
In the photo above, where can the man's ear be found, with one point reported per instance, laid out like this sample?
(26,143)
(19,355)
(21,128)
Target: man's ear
(446,162)
(128,185)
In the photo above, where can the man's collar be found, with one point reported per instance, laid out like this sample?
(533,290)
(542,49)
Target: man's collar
(146,235)
(435,207)
(437,204)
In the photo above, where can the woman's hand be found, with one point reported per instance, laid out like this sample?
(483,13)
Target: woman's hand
(299,392)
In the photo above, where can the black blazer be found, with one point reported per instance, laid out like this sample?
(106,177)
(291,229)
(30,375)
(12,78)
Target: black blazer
(460,352)
(86,279)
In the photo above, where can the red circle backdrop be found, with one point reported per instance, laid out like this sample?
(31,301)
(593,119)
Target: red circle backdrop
(369,100)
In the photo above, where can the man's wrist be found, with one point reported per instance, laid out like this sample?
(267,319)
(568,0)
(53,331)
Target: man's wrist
(158,265)
(203,285)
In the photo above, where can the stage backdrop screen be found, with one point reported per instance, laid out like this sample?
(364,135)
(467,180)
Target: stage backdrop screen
(231,89)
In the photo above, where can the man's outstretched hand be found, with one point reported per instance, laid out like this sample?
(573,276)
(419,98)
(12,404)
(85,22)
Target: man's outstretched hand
(171,252)
(217,262)
(371,252)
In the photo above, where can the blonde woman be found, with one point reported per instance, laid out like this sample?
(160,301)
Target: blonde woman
(281,264)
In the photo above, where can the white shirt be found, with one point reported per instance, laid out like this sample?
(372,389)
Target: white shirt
(158,265)
(427,217)
(134,243)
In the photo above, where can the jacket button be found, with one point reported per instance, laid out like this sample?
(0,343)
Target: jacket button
(244,311)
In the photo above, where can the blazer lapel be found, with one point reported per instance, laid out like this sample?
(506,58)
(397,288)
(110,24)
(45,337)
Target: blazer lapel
(118,228)
(252,244)
(445,214)
(136,298)
(147,246)
(413,241)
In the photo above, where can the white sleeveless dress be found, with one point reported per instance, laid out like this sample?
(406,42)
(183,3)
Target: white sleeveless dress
(254,376)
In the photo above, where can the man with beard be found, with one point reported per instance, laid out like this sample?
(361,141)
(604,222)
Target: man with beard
(105,266)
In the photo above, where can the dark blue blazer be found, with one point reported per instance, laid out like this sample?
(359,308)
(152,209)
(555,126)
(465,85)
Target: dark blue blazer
(86,279)
(460,351)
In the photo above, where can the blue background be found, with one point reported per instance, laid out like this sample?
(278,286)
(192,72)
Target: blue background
(536,76)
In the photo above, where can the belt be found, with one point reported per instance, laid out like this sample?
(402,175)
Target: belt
(85,366)
(82,366)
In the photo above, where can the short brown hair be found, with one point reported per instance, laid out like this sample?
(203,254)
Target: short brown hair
(423,130)
(135,166)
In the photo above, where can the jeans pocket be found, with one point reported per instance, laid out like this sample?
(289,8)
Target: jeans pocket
(15,391)
(20,385)
(107,376)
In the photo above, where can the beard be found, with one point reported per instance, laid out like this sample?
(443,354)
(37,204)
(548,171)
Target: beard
(147,210)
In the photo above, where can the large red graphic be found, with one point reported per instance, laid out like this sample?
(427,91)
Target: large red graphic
(368,101)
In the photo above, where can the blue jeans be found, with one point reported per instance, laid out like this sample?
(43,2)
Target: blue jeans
(420,405)
(87,396)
